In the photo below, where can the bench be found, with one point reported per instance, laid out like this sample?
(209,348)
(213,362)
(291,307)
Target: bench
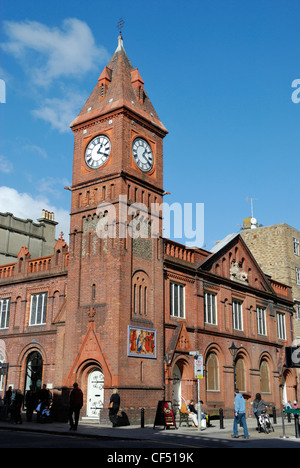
(183,418)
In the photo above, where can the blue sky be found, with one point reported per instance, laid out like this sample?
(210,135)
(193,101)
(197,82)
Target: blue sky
(219,74)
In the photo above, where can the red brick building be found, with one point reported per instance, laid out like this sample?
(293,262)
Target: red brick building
(118,310)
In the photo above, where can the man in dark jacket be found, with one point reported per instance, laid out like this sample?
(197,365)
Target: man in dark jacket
(16,407)
(76,403)
(114,405)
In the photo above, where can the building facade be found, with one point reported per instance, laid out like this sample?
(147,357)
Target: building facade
(38,237)
(277,250)
(119,306)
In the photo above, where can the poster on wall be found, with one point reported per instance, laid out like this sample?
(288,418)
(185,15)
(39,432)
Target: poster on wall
(141,342)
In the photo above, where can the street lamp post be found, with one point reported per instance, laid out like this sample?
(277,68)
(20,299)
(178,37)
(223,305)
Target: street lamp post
(233,351)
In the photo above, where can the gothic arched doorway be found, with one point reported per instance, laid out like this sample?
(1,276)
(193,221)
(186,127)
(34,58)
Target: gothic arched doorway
(176,388)
(289,392)
(33,372)
(95,393)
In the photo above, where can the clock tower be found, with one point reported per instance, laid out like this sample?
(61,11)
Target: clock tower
(114,309)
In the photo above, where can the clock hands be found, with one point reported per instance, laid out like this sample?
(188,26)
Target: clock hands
(143,155)
(97,151)
(101,152)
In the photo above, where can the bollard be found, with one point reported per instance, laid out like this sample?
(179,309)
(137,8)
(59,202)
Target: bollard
(142,417)
(296,426)
(274,415)
(221,418)
(283,428)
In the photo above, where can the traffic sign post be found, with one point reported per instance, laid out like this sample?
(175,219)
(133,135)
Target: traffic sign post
(198,373)
(198,366)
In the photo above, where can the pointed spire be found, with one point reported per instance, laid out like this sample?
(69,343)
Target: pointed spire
(119,85)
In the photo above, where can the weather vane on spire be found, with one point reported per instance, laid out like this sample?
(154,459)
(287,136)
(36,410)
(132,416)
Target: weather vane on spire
(120,25)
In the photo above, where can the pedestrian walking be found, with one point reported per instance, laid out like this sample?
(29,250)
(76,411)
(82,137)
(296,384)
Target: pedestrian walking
(30,403)
(7,396)
(16,407)
(7,400)
(114,405)
(239,415)
(76,403)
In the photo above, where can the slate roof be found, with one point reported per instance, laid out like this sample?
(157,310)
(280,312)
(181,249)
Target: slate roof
(123,83)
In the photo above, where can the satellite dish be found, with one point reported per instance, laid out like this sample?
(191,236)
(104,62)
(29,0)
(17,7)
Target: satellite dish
(253,223)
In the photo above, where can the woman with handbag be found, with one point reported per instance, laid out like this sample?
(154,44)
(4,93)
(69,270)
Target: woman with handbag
(114,405)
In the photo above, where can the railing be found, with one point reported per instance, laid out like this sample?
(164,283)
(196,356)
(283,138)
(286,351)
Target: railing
(36,265)
(40,264)
(281,289)
(7,270)
(179,251)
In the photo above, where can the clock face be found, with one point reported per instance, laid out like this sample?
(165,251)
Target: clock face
(97,151)
(142,154)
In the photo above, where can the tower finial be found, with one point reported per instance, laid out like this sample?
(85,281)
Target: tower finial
(120,26)
(120,38)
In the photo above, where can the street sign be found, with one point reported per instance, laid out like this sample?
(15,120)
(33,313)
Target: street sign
(3,368)
(198,366)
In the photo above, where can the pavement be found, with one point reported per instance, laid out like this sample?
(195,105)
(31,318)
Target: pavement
(136,432)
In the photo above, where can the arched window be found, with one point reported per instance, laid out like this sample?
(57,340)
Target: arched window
(2,360)
(93,292)
(140,294)
(264,377)
(240,374)
(212,372)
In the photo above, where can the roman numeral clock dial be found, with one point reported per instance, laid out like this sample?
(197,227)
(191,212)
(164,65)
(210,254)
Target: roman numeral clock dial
(142,154)
(97,151)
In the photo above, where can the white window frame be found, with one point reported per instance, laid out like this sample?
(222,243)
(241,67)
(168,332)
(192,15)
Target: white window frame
(2,360)
(281,328)
(38,309)
(296,246)
(4,313)
(237,314)
(297,310)
(298,276)
(210,308)
(177,304)
(261,321)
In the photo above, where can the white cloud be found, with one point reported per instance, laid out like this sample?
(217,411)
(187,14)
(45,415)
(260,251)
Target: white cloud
(5,165)
(50,56)
(41,152)
(25,206)
(49,53)
(59,112)
(52,185)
